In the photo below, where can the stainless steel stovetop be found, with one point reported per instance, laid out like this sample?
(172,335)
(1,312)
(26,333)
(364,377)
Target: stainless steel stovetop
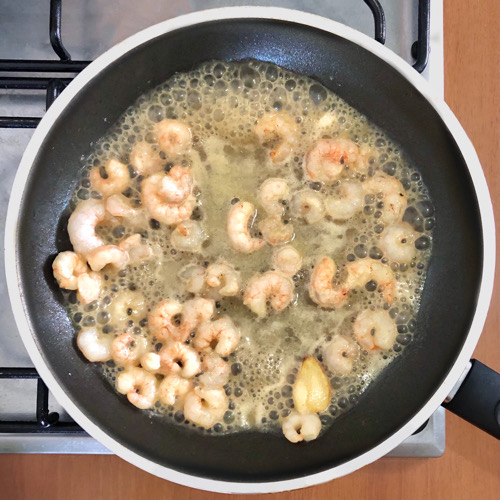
(88,29)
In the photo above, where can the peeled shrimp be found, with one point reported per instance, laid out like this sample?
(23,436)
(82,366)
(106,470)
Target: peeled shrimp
(118,205)
(94,346)
(237,228)
(127,349)
(145,159)
(397,241)
(340,354)
(321,289)
(270,286)
(127,305)
(82,223)
(173,388)
(287,259)
(193,277)
(272,194)
(224,277)
(165,319)
(220,336)
(326,160)
(116,180)
(393,196)
(188,236)
(279,132)
(174,137)
(108,254)
(216,371)
(177,357)
(195,312)
(137,250)
(67,266)
(205,407)
(139,385)
(348,202)
(375,329)
(308,205)
(301,427)
(89,287)
(177,185)
(275,231)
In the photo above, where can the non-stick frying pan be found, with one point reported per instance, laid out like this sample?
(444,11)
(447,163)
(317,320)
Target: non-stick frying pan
(394,97)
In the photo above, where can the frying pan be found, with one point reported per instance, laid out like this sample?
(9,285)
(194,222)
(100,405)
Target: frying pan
(393,96)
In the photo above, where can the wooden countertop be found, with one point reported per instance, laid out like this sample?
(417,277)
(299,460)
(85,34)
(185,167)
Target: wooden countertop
(470,467)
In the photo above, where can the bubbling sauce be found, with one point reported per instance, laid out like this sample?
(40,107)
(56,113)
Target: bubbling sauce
(221,102)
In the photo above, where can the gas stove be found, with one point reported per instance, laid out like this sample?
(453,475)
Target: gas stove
(43,47)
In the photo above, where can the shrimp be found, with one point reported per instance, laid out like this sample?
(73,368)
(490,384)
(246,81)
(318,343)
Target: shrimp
(215,371)
(308,205)
(177,185)
(275,231)
(220,336)
(111,179)
(287,259)
(326,160)
(177,357)
(273,194)
(118,205)
(278,132)
(151,362)
(136,249)
(270,286)
(205,407)
(348,202)
(67,266)
(174,137)
(82,224)
(360,272)
(188,236)
(145,159)
(398,242)
(393,196)
(301,427)
(159,207)
(237,228)
(196,312)
(94,346)
(340,354)
(127,349)
(139,385)
(375,329)
(193,277)
(128,305)
(224,277)
(89,287)
(165,319)
(173,389)
(101,256)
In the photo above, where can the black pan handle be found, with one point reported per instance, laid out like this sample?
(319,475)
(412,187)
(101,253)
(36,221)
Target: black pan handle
(478,399)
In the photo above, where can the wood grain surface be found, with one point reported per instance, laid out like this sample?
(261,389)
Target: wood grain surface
(470,467)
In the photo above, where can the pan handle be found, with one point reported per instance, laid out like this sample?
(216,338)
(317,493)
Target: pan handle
(477,399)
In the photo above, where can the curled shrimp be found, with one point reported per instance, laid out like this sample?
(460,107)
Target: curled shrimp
(177,357)
(173,136)
(139,385)
(114,255)
(224,277)
(321,289)
(287,260)
(127,349)
(145,159)
(137,250)
(275,231)
(196,312)
(111,179)
(237,228)
(308,205)
(340,354)
(94,346)
(118,205)
(393,196)
(205,407)
(89,287)
(328,158)
(273,193)
(188,236)
(270,286)
(397,241)
(177,185)
(82,225)
(347,203)
(220,336)
(128,305)
(215,371)
(165,319)
(67,267)
(193,277)
(173,388)
(375,329)
(301,427)
(159,208)
(278,132)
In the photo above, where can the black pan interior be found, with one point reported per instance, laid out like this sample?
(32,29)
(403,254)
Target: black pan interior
(374,88)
